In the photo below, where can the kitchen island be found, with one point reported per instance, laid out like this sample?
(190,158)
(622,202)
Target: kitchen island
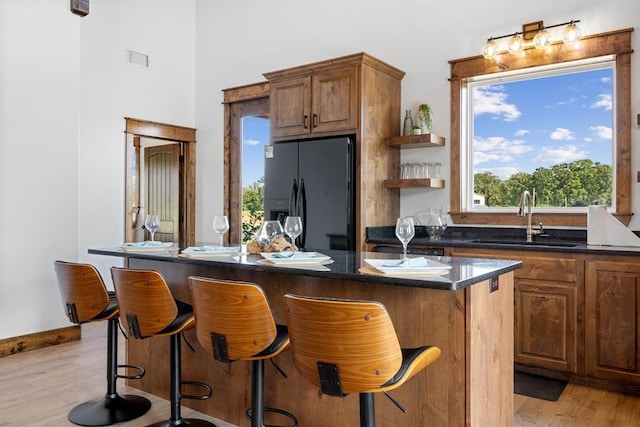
(467,312)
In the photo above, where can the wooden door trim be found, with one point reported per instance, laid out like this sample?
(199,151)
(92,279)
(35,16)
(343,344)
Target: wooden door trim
(237,100)
(136,128)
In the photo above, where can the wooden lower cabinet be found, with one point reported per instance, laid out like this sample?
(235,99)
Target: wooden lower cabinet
(546,324)
(612,314)
(546,307)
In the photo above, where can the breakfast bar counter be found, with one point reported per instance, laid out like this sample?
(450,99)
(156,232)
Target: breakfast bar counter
(467,312)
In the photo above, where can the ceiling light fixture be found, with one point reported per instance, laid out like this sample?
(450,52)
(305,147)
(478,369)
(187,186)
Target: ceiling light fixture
(533,34)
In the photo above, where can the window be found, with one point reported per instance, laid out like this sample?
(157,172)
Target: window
(549,132)
(466,72)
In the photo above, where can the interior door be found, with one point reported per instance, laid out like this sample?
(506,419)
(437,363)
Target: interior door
(162,177)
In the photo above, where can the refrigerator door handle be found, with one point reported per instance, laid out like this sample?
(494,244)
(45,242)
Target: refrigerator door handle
(293,198)
(302,211)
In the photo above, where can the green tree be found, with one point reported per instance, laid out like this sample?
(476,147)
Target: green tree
(490,186)
(252,209)
(579,183)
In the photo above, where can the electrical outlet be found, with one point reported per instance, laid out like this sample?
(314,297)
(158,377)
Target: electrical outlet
(494,284)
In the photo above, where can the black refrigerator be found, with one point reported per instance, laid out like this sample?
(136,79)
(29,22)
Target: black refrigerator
(313,179)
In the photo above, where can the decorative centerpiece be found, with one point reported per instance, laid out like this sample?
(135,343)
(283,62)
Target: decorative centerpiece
(270,238)
(423,118)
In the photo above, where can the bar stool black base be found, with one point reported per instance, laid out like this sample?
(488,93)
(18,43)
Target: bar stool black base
(294,421)
(184,422)
(109,410)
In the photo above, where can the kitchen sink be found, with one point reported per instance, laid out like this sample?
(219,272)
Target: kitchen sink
(525,243)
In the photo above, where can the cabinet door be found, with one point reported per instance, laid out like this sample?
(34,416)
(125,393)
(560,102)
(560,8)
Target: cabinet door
(289,107)
(612,299)
(334,100)
(545,324)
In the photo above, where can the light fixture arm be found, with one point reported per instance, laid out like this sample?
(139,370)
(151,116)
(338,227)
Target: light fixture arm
(544,27)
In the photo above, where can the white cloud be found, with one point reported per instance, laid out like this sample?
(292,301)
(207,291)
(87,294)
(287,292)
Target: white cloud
(522,132)
(605,79)
(564,154)
(604,101)
(501,172)
(251,142)
(602,132)
(489,100)
(498,149)
(562,134)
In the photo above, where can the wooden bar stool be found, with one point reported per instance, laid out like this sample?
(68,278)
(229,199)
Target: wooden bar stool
(86,299)
(149,309)
(346,346)
(234,322)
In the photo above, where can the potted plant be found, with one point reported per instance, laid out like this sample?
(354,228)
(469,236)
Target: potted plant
(423,118)
(416,130)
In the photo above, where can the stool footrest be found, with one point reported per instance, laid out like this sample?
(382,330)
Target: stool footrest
(207,387)
(289,415)
(132,377)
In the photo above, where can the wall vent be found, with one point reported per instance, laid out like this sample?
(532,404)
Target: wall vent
(137,58)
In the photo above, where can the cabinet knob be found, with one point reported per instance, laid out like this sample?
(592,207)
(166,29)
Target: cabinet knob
(315,120)
(306,122)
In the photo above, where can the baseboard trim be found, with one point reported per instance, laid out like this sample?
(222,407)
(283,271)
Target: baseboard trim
(37,340)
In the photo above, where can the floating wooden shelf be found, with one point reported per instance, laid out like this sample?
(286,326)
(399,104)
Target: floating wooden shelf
(416,141)
(408,183)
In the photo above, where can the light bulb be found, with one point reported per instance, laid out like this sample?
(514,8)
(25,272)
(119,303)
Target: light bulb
(542,39)
(516,44)
(571,33)
(490,49)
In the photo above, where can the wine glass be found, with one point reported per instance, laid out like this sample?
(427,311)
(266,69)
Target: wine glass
(152,223)
(293,227)
(220,226)
(405,230)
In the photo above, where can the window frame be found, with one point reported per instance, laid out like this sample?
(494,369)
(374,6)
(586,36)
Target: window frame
(616,44)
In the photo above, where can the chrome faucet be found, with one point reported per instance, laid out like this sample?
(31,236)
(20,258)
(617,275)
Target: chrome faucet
(525,198)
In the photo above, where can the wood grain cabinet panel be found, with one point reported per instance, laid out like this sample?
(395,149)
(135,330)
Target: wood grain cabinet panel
(289,106)
(612,309)
(334,100)
(546,325)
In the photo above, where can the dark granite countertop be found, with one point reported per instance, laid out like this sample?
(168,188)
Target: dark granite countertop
(512,238)
(346,266)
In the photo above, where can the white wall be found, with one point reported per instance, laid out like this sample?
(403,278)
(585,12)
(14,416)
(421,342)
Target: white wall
(38,160)
(417,36)
(65,90)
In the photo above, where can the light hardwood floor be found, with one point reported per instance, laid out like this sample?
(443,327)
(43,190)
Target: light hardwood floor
(40,387)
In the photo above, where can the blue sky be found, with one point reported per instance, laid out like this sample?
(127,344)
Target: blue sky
(524,125)
(255,135)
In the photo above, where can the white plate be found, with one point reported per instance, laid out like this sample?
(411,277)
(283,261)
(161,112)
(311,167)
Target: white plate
(147,247)
(211,251)
(387,267)
(283,258)
(321,266)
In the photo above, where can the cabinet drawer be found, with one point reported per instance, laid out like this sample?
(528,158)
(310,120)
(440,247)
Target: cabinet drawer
(555,268)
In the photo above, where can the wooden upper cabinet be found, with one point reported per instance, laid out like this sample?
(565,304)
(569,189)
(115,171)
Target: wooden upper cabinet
(314,100)
(334,100)
(290,107)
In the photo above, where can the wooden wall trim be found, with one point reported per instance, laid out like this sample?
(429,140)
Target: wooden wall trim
(37,340)
(246,92)
(160,130)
